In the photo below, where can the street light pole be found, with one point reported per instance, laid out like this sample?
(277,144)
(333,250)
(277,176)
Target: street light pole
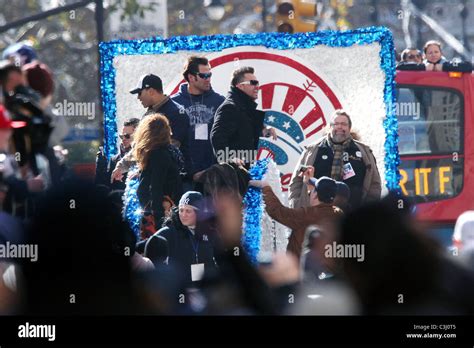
(99,21)
(374,15)
(264,16)
(420,5)
(45,14)
(464,13)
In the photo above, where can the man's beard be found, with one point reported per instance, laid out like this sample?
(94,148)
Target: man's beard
(339,138)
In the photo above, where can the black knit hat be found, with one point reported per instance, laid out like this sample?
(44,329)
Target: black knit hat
(325,187)
(192,198)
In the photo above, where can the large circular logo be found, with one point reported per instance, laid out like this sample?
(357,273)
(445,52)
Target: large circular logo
(296,98)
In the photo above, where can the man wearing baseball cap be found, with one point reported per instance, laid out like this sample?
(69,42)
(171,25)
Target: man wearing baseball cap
(321,211)
(149,91)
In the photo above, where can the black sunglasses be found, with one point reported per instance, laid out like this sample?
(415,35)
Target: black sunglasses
(140,91)
(126,136)
(250,82)
(412,56)
(204,75)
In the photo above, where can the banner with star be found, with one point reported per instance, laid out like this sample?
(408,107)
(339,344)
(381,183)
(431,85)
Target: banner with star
(303,79)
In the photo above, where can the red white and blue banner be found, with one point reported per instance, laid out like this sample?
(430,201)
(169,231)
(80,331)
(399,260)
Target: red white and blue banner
(303,78)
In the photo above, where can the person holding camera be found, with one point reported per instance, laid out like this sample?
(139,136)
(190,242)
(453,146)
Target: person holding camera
(321,211)
(338,156)
(31,142)
(13,191)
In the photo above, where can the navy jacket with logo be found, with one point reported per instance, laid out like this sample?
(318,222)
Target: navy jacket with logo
(183,246)
(200,110)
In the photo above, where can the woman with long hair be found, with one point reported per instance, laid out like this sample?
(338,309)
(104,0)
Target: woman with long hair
(158,164)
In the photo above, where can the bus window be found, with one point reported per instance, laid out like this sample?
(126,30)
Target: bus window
(430,124)
(429,121)
(429,180)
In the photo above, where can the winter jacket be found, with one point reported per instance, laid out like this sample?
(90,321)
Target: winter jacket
(160,177)
(323,215)
(200,110)
(104,169)
(179,123)
(237,125)
(186,248)
(365,185)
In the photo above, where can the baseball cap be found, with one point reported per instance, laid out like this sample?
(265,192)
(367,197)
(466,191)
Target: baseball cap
(192,198)
(325,187)
(343,190)
(148,81)
(6,123)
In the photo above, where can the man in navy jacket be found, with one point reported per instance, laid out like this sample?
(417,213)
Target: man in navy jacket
(199,101)
(149,91)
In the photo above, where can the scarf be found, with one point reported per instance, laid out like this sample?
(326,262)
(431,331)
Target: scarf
(337,163)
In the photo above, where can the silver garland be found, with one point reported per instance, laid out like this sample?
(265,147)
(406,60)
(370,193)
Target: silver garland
(274,235)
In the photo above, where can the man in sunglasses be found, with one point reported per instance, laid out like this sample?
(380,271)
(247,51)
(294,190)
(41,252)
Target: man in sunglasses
(149,91)
(238,124)
(105,168)
(200,102)
(411,59)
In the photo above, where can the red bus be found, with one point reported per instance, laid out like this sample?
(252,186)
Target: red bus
(435,114)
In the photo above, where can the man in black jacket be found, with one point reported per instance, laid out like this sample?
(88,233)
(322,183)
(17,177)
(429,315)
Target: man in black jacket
(150,93)
(238,124)
(104,167)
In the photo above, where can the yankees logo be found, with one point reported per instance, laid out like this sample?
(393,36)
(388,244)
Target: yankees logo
(297,100)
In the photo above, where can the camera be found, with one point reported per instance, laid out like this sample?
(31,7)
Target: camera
(303,169)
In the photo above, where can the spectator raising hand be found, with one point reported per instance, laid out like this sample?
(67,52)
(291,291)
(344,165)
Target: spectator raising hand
(308,173)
